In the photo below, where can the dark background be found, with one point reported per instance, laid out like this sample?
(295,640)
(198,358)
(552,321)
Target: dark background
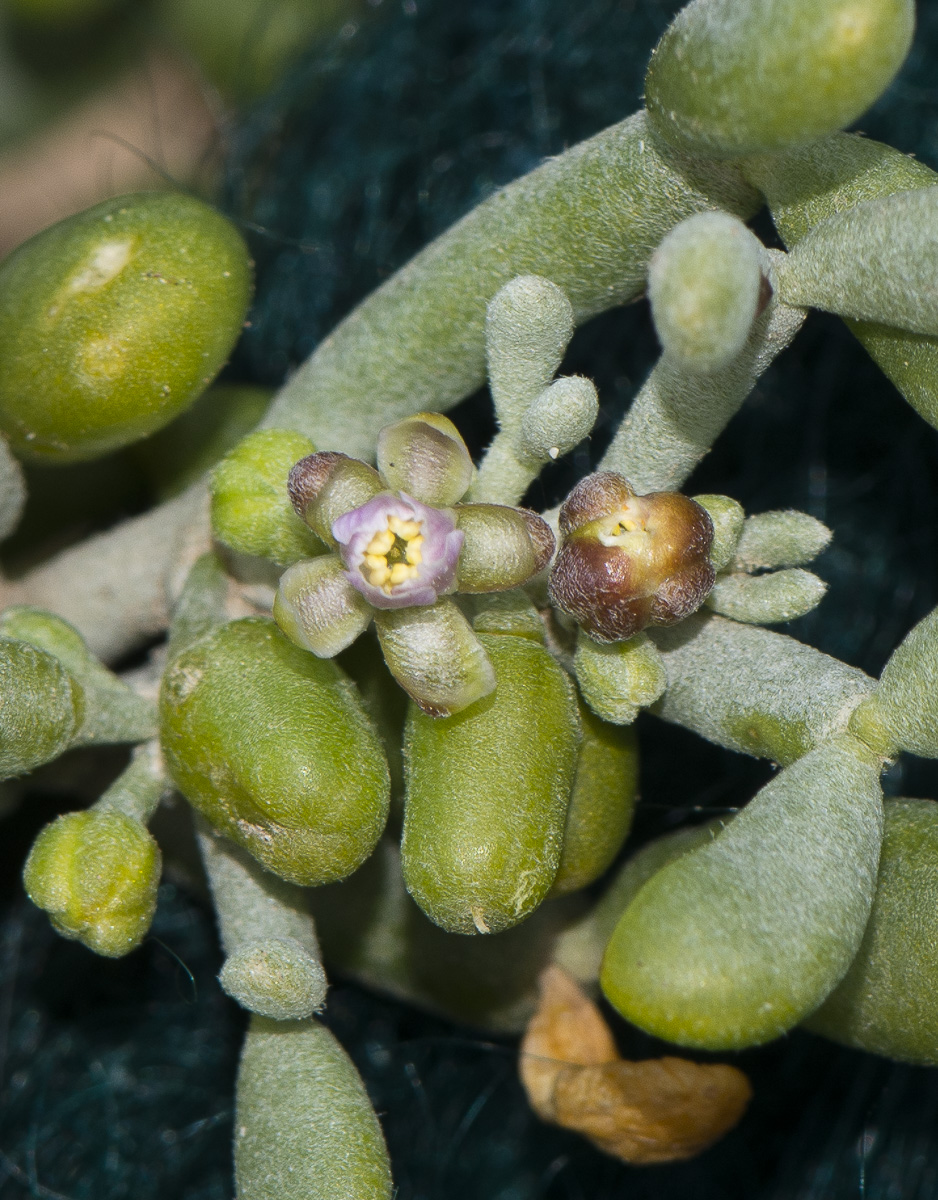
(116,1078)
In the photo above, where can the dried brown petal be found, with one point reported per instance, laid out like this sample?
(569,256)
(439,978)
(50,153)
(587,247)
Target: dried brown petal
(659,1110)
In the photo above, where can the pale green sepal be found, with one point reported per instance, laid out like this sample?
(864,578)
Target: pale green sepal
(875,262)
(304,1127)
(497,553)
(528,325)
(276,978)
(350,484)
(559,419)
(317,607)
(728,517)
(906,702)
(96,873)
(425,457)
(251,508)
(436,658)
(113,712)
(42,707)
(737,941)
(767,599)
(781,538)
(729,78)
(887,1003)
(619,679)
(602,802)
(487,794)
(704,284)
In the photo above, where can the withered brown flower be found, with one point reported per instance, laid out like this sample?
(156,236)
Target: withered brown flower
(629,561)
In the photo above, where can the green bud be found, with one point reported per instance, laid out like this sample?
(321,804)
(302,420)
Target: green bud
(705,284)
(41,707)
(273,747)
(618,679)
(728,79)
(96,874)
(874,262)
(115,320)
(734,943)
(436,658)
(276,977)
(887,1003)
(487,794)
(783,538)
(767,599)
(728,517)
(425,457)
(559,419)
(251,508)
(602,802)
(304,1127)
(904,707)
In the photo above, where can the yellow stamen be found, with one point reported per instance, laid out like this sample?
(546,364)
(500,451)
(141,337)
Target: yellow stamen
(393,554)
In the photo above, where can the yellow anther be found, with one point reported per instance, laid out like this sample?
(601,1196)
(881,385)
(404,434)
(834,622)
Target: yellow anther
(381,543)
(400,572)
(404,529)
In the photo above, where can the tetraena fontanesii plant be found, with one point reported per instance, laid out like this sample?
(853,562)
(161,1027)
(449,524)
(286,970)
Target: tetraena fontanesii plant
(510,774)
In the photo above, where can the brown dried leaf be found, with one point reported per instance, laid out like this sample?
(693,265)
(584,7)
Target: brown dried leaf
(659,1110)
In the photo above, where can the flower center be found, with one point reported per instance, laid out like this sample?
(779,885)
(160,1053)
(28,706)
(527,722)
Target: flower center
(621,528)
(393,554)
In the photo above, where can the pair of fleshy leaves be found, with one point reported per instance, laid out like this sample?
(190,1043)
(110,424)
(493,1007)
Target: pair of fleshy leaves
(406,514)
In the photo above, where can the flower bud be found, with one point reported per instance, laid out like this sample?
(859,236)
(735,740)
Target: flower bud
(630,561)
(96,874)
(251,511)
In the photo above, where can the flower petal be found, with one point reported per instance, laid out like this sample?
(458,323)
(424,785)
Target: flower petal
(425,456)
(398,552)
(435,657)
(317,607)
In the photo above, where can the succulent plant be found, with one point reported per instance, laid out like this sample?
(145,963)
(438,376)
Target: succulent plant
(509,771)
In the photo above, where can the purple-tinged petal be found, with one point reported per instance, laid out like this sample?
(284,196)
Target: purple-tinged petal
(398,552)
